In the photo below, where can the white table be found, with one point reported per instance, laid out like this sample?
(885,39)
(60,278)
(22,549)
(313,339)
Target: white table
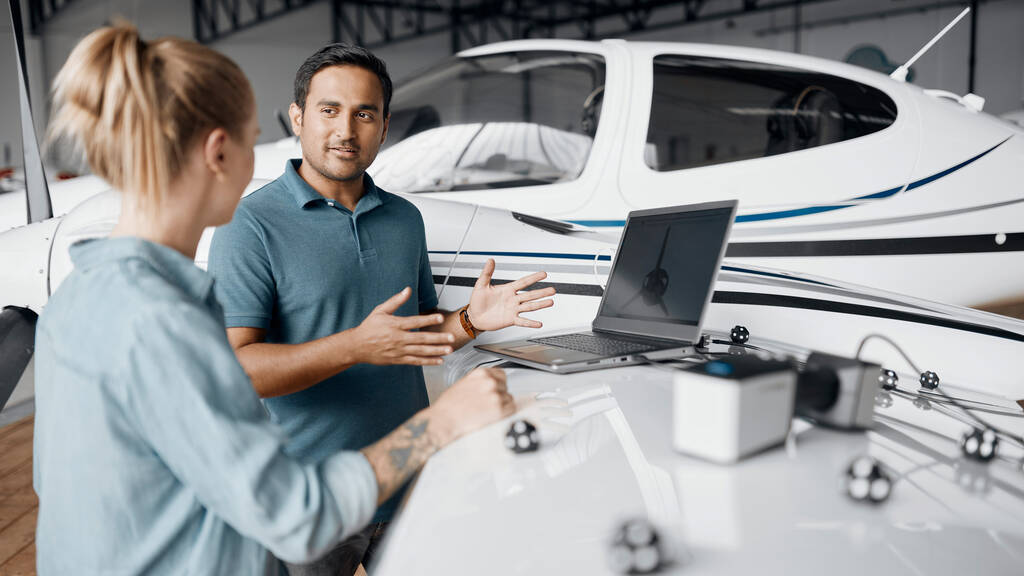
(606,456)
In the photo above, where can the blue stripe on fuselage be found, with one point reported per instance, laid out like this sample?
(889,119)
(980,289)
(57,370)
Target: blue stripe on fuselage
(817,209)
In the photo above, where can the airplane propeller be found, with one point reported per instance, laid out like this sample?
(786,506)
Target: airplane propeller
(656,282)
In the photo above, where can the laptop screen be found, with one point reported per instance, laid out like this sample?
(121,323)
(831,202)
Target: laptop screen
(665,266)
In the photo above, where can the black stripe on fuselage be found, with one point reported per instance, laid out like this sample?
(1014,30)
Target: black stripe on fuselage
(560,287)
(973,244)
(784,301)
(780,301)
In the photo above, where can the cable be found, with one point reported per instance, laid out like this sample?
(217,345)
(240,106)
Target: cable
(665,363)
(1014,437)
(939,406)
(864,340)
(936,405)
(987,408)
(978,421)
(731,343)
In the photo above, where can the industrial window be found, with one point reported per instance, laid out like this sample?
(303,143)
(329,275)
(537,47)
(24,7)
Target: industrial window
(497,121)
(707,111)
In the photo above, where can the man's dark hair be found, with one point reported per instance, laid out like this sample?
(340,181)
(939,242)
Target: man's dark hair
(340,55)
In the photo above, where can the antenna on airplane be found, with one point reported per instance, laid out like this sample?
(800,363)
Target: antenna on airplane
(284,122)
(36,189)
(900,73)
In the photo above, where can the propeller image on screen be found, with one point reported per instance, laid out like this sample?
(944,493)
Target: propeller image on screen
(656,282)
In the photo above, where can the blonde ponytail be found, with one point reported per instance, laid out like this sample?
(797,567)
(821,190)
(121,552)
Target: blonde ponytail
(135,109)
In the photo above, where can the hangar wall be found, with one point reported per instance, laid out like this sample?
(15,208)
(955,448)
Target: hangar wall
(270,53)
(46,53)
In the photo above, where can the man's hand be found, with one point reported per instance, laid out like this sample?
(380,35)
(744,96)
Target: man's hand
(496,307)
(478,399)
(384,338)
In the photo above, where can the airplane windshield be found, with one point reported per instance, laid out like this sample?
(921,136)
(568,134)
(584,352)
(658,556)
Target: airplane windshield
(707,111)
(498,121)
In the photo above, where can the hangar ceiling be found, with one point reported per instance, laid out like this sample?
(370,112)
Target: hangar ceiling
(375,23)
(469,23)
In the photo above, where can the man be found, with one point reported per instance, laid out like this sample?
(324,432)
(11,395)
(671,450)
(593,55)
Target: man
(327,289)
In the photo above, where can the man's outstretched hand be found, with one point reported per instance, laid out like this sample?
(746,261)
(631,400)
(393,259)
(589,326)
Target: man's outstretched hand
(495,307)
(384,338)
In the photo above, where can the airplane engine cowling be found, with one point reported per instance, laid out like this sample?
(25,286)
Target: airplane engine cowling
(17,344)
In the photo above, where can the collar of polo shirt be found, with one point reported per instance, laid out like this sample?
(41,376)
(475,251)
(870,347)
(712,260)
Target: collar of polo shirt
(305,195)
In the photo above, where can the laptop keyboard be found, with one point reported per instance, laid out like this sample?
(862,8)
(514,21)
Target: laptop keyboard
(595,344)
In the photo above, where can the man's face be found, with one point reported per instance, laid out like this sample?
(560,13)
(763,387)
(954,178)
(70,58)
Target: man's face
(343,125)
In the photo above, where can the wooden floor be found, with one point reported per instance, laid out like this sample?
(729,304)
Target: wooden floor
(18,503)
(1013,308)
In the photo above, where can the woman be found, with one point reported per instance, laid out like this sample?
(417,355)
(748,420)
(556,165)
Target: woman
(152,452)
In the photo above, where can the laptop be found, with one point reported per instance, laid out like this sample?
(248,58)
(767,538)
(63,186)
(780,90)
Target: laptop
(658,289)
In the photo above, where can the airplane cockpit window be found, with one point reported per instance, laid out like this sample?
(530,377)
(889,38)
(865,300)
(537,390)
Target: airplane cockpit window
(707,111)
(497,121)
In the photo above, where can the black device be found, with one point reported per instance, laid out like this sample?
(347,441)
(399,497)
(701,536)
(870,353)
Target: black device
(837,391)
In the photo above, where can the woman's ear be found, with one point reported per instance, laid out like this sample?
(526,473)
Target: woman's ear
(214,150)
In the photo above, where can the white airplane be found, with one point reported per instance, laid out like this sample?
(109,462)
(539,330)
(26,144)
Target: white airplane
(978,355)
(609,458)
(840,171)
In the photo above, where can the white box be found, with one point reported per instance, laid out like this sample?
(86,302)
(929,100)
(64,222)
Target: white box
(727,409)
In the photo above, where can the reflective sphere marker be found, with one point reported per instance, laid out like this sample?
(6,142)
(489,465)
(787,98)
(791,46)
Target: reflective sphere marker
(867,482)
(888,379)
(929,380)
(636,548)
(522,437)
(980,445)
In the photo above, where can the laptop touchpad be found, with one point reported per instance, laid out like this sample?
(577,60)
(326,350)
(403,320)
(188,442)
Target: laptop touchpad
(529,348)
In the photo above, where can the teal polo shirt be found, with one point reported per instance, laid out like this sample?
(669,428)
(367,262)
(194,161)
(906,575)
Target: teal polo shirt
(303,267)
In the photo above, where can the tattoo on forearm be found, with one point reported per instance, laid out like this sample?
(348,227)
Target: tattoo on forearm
(417,429)
(407,449)
(400,457)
